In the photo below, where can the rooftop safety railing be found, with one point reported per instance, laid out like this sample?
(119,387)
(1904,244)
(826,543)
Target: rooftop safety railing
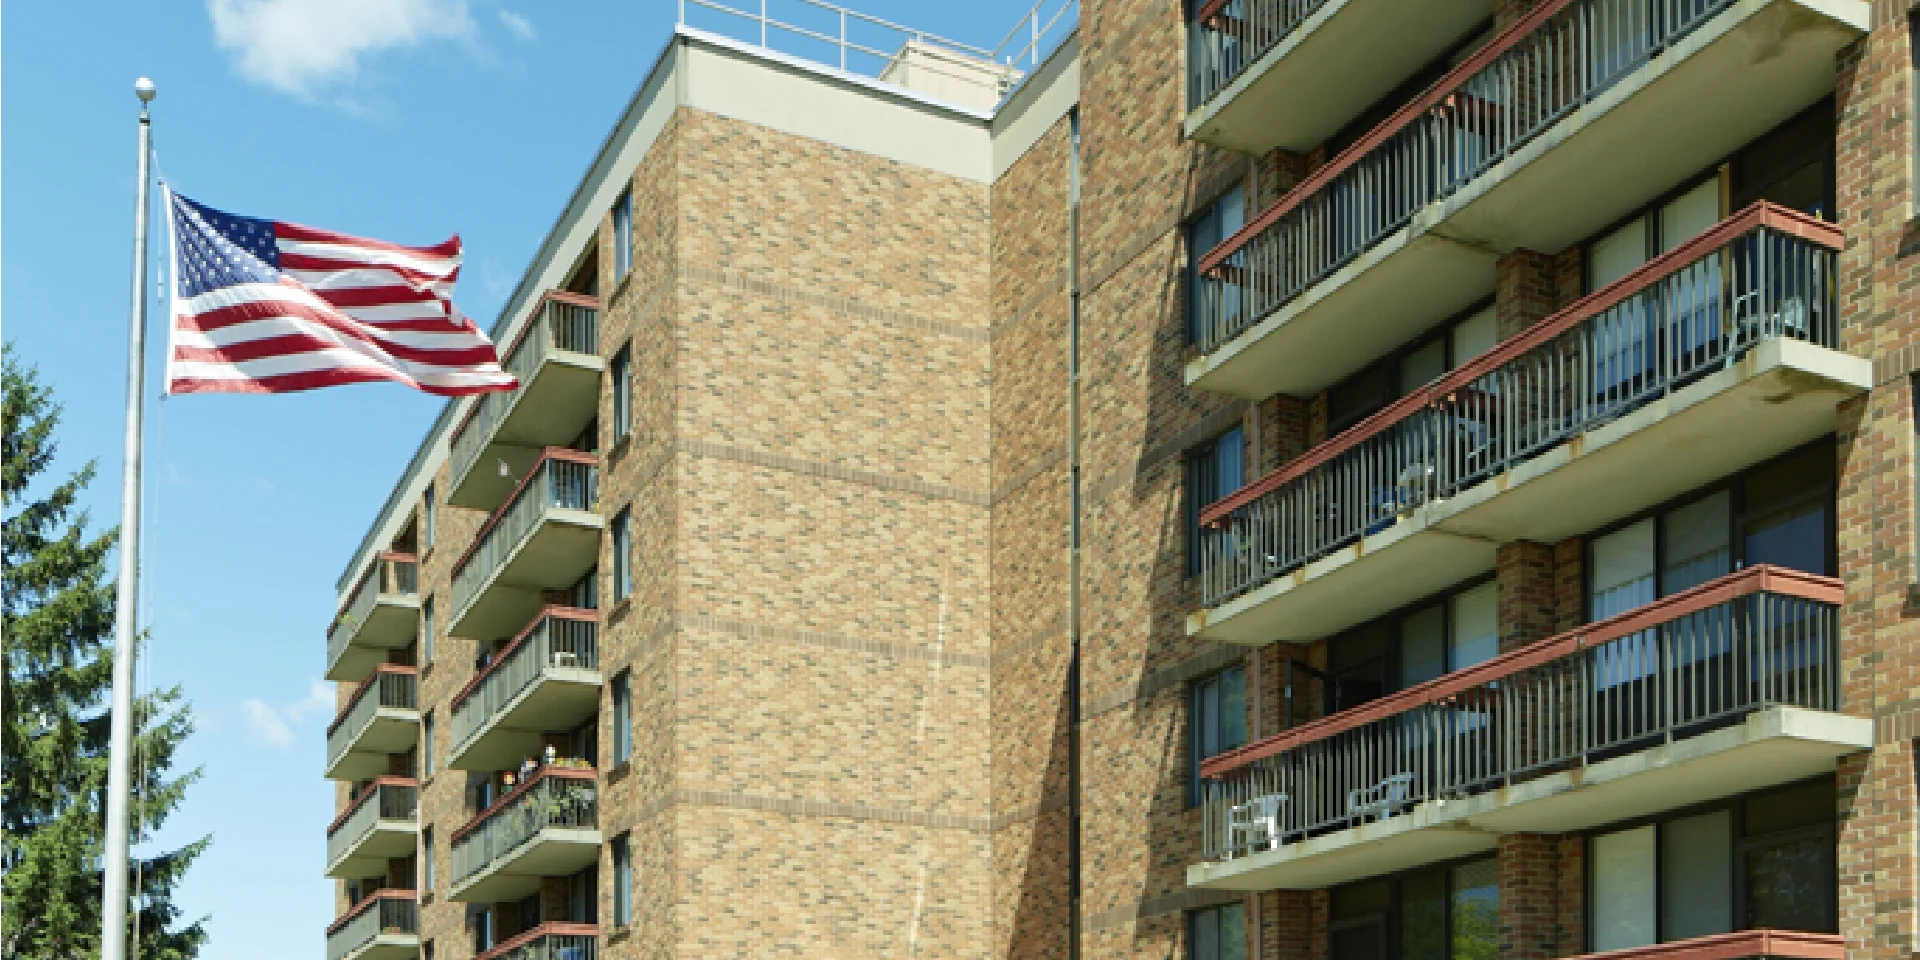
(557,637)
(858,43)
(1767,272)
(389,574)
(385,800)
(562,321)
(549,941)
(561,479)
(1534,72)
(551,797)
(1225,37)
(1761,637)
(387,912)
(390,685)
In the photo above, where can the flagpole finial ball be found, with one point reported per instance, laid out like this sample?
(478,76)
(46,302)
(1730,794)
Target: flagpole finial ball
(143,88)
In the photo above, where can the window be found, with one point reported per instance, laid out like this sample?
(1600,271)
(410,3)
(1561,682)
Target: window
(622,237)
(622,555)
(426,744)
(1777,513)
(1408,648)
(622,718)
(1764,861)
(426,517)
(1214,470)
(1216,721)
(622,880)
(1439,913)
(1217,933)
(622,394)
(426,950)
(426,860)
(426,631)
(585,592)
(1211,300)
(1410,368)
(583,894)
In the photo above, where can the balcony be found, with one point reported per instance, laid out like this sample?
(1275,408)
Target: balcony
(1249,60)
(549,941)
(1723,347)
(380,824)
(1740,945)
(382,718)
(547,827)
(382,614)
(1722,689)
(384,926)
(557,359)
(548,678)
(1525,145)
(544,538)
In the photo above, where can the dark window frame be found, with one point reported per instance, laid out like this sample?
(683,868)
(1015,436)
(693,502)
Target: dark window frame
(1196,689)
(1390,921)
(621,371)
(1192,468)
(1203,214)
(621,695)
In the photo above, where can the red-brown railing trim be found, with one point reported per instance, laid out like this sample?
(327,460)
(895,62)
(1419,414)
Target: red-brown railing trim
(550,611)
(1439,90)
(563,296)
(361,690)
(385,780)
(549,770)
(546,453)
(384,556)
(387,893)
(552,928)
(1758,579)
(1739,945)
(1758,215)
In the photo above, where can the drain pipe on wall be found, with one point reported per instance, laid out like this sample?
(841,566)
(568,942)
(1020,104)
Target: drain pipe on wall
(1073,534)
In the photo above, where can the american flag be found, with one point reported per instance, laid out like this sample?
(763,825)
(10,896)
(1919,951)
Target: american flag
(262,306)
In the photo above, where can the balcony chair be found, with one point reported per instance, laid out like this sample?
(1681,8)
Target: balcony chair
(1257,817)
(1381,800)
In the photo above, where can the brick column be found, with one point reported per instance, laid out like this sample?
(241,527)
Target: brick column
(1572,908)
(1284,424)
(1569,584)
(1276,173)
(1529,608)
(556,900)
(1286,925)
(1525,290)
(1529,896)
(1320,909)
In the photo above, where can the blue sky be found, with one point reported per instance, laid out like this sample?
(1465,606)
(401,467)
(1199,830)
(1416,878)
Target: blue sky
(406,120)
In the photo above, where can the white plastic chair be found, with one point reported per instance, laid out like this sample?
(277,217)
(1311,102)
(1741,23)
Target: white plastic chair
(1380,800)
(1257,817)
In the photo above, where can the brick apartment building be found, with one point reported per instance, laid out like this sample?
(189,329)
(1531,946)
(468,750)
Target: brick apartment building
(1279,479)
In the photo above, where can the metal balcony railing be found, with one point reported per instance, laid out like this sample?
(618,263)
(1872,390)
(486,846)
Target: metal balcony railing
(390,574)
(562,321)
(1764,273)
(388,912)
(552,797)
(1226,37)
(561,479)
(1762,637)
(386,800)
(549,941)
(1536,71)
(558,637)
(390,685)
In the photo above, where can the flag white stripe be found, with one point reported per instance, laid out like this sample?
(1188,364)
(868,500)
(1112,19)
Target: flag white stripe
(264,328)
(336,358)
(242,294)
(372,256)
(368,277)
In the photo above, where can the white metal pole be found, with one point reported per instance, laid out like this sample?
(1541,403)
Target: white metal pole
(113,897)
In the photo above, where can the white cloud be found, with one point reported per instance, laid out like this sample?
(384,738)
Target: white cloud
(518,25)
(301,46)
(274,725)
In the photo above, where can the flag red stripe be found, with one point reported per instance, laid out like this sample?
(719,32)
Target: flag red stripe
(348,297)
(294,343)
(312,380)
(210,320)
(449,247)
(306,261)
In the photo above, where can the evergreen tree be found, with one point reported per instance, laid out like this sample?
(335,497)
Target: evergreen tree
(59,611)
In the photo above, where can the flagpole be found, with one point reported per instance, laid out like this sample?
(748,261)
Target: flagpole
(113,897)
